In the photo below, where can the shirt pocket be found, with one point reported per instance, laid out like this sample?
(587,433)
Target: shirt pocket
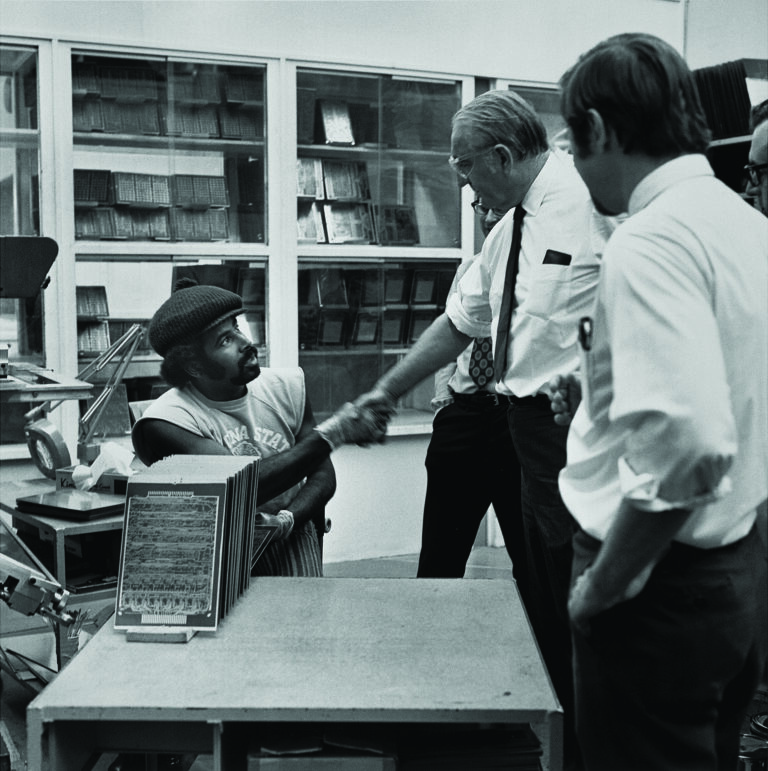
(549,291)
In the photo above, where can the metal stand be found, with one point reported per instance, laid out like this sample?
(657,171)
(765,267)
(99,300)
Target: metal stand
(46,445)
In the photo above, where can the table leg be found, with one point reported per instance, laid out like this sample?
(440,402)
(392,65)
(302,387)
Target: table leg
(34,741)
(550,733)
(59,559)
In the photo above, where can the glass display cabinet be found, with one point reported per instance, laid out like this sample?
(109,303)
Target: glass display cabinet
(168,171)
(371,165)
(21,320)
(169,180)
(168,150)
(356,319)
(371,171)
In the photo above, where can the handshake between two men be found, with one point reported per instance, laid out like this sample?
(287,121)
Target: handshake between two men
(364,421)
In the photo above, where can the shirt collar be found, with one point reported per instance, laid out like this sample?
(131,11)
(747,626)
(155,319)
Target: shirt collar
(549,176)
(541,184)
(218,405)
(666,176)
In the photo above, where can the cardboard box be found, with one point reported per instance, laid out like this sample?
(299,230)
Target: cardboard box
(109,482)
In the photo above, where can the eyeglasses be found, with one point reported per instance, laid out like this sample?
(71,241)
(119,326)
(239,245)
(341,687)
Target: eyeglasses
(463,164)
(483,211)
(755,171)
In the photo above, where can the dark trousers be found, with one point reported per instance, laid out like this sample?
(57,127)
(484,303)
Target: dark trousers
(663,680)
(471,464)
(540,447)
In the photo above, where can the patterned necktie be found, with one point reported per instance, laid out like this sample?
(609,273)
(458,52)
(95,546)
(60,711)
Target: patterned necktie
(508,298)
(481,361)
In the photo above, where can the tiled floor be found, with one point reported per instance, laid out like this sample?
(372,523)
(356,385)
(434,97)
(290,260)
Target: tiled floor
(484,562)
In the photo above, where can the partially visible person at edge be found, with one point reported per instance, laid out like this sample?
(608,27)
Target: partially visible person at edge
(757,168)
(223,403)
(471,462)
(667,451)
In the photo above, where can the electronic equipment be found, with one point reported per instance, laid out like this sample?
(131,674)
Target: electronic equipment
(28,591)
(30,588)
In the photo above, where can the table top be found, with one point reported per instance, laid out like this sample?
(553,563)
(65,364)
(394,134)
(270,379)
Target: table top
(28,383)
(21,479)
(324,649)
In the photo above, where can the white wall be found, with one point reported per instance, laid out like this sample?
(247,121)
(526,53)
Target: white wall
(378,503)
(720,31)
(495,38)
(723,30)
(516,39)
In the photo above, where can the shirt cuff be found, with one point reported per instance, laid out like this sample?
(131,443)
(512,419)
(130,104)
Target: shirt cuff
(642,491)
(438,404)
(465,324)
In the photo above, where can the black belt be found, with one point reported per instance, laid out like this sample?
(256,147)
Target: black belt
(488,400)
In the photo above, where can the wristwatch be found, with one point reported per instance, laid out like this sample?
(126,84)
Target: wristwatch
(286,520)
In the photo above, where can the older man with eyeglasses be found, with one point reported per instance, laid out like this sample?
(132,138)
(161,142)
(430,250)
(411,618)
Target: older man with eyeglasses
(757,168)
(550,239)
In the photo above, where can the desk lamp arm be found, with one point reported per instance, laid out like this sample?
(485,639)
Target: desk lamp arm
(45,443)
(128,343)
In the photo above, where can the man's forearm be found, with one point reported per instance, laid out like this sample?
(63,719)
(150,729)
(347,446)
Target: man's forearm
(280,472)
(636,539)
(314,494)
(440,344)
(635,543)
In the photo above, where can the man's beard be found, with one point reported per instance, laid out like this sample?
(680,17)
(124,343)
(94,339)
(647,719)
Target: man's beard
(216,371)
(243,377)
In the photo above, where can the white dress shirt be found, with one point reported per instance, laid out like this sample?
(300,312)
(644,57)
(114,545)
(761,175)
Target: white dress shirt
(455,377)
(550,297)
(675,404)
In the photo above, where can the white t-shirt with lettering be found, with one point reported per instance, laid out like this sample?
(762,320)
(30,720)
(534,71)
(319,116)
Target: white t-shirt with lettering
(264,422)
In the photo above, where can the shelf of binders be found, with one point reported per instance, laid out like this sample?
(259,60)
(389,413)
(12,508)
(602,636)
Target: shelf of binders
(335,206)
(392,133)
(182,145)
(356,309)
(92,321)
(127,205)
(183,99)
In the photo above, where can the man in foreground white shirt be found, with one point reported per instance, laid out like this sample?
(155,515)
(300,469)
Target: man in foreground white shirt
(667,452)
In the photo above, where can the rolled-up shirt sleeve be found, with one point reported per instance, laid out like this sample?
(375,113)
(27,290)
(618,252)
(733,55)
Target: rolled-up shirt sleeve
(670,386)
(469,308)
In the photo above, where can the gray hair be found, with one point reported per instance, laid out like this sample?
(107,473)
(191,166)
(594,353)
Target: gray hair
(505,118)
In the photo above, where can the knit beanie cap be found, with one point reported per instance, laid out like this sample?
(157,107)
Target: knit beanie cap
(191,310)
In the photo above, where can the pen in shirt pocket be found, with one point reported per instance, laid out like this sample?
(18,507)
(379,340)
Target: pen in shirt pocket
(586,363)
(585,333)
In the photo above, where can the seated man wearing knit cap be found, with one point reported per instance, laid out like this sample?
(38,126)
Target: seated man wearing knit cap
(223,403)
